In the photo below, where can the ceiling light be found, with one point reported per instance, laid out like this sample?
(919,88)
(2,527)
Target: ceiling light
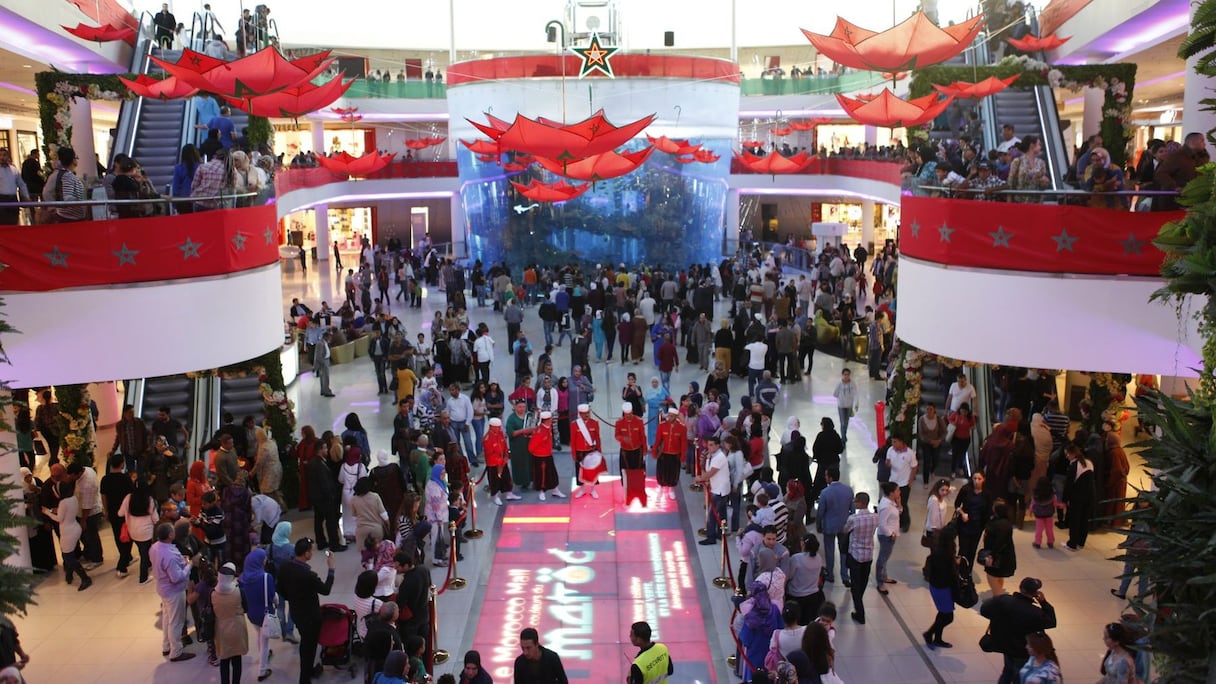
(26,66)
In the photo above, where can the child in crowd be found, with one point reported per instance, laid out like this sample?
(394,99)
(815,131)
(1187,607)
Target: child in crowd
(212,523)
(827,618)
(414,648)
(177,494)
(1043,505)
(198,596)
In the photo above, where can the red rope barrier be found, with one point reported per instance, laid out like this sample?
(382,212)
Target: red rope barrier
(739,644)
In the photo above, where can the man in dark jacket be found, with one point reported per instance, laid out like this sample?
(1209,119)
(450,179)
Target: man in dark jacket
(382,637)
(1011,617)
(537,665)
(323,493)
(413,597)
(303,590)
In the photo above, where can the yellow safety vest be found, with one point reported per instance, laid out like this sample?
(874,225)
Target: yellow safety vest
(654,663)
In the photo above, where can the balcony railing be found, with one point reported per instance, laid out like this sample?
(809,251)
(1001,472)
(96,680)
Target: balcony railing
(401,90)
(295,179)
(871,169)
(811,85)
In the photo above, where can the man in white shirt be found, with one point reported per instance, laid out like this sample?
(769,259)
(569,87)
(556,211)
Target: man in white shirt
(901,459)
(846,402)
(961,392)
(717,478)
(320,363)
(460,410)
(646,305)
(1008,139)
(88,493)
(483,354)
(756,351)
(889,510)
(12,188)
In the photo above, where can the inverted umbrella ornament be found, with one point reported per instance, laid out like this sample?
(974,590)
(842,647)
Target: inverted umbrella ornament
(809,124)
(170,88)
(343,111)
(1033,43)
(263,72)
(781,132)
(343,163)
(102,34)
(894,75)
(481,147)
(774,163)
(352,118)
(706,156)
(488,158)
(515,167)
(984,88)
(550,192)
(886,109)
(915,42)
(423,143)
(598,167)
(566,143)
(294,102)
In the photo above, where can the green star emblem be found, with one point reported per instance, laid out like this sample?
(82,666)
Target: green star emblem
(595,57)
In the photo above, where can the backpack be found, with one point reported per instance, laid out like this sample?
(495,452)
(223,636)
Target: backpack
(1043,509)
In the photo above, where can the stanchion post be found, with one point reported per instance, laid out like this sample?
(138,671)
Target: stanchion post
(704,530)
(472,532)
(725,580)
(696,485)
(439,656)
(456,582)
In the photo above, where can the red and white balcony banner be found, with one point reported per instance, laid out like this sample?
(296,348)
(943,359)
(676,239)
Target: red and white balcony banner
(1044,238)
(137,250)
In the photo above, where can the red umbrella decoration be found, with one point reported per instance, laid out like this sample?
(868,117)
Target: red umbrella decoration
(565,143)
(780,132)
(293,102)
(550,192)
(352,118)
(102,34)
(888,110)
(686,160)
(894,75)
(263,72)
(481,147)
(984,88)
(916,42)
(423,143)
(162,89)
(809,124)
(515,166)
(1033,43)
(706,156)
(598,167)
(344,164)
(751,144)
(774,163)
(668,145)
(343,111)
(488,158)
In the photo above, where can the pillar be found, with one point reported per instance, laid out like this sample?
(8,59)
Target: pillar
(109,403)
(731,244)
(82,139)
(1091,119)
(318,136)
(871,135)
(321,227)
(20,556)
(460,248)
(1195,117)
(867,225)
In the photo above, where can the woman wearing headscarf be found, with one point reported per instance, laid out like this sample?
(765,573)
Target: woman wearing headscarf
(42,546)
(758,624)
(624,335)
(770,574)
(394,669)
(793,463)
(351,472)
(390,485)
(371,518)
(724,342)
(237,502)
(637,341)
(282,551)
(826,453)
(258,588)
(268,469)
(473,672)
(354,428)
(231,637)
(598,336)
(437,513)
(656,395)
(305,450)
(385,567)
(156,462)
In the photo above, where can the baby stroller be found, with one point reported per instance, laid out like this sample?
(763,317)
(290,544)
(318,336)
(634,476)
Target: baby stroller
(336,641)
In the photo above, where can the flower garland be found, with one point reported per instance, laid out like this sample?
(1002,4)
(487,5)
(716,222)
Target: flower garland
(277,400)
(75,423)
(57,91)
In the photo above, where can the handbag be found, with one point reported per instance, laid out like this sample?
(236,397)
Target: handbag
(964,592)
(271,629)
(124,533)
(928,539)
(988,642)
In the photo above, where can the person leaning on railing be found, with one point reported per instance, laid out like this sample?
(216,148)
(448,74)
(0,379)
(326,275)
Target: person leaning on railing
(1029,171)
(984,183)
(64,186)
(209,181)
(12,188)
(1101,176)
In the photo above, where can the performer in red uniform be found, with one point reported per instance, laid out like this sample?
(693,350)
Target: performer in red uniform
(584,439)
(540,445)
(630,433)
(670,443)
(497,470)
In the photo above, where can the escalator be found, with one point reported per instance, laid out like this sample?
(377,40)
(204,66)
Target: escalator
(174,392)
(241,398)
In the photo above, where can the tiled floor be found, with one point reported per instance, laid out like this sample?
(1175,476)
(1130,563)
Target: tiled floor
(109,633)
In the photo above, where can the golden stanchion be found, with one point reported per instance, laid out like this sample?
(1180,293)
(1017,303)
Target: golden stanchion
(702,532)
(725,580)
(456,582)
(473,532)
(696,485)
(732,660)
(439,656)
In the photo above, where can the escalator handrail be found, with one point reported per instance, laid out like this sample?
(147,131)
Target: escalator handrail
(196,20)
(1054,150)
(144,56)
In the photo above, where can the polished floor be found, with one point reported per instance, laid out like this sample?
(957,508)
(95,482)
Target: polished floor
(110,632)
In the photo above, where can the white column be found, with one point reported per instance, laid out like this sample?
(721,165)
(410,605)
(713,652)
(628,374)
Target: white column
(82,139)
(732,222)
(20,557)
(324,248)
(867,225)
(1195,118)
(109,404)
(1091,119)
(459,246)
(318,136)
(871,135)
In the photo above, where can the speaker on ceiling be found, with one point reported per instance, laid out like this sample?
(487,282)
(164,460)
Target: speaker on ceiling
(669,38)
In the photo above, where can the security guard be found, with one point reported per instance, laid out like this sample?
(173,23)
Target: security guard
(653,663)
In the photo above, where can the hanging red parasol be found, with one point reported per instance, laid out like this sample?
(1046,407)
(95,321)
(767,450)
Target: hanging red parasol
(515,167)
(102,34)
(344,164)
(780,132)
(894,75)
(494,129)
(169,88)
(566,143)
(1033,43)
(263,72)
(419,144)
(774,163)
(752,144)
(809,124)
(599,167)
(984,88)
(435,140)
(523,157)
(352,118)
(293,102)
(343,111)
(915,42)
(550,192)
(888,110)
(685,160)
(706,156)
(668,145)
(488,158)
(423,143)
(481,147)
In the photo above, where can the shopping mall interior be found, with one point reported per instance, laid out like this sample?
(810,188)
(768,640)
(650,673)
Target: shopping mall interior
(980,173)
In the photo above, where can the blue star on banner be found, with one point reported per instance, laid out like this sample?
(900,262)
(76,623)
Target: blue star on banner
(58,258)
(595,57)
(944,233)
(1000,238)
(189,249)
(269,235)
(916,229)
(126,255)
(1132,245)
(1064,241)
(238,241)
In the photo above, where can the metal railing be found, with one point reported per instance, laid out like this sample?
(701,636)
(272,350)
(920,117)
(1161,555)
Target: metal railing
(1048,196)
(227,200)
